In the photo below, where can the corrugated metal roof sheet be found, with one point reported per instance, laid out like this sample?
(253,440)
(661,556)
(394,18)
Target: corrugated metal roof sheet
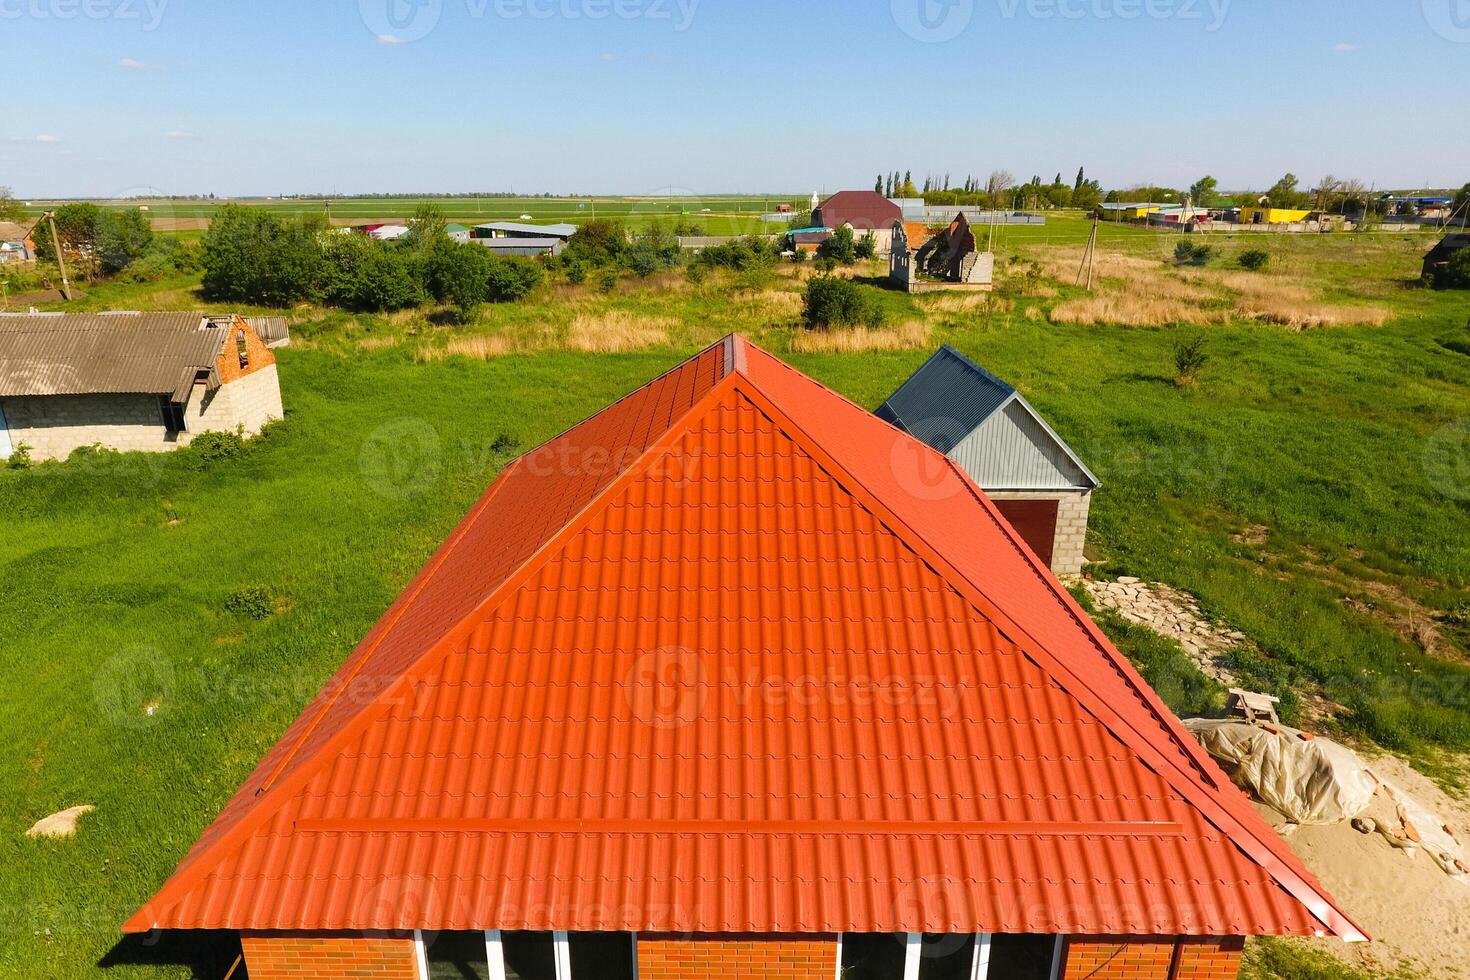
(77,354)
(949,397)
(560,230)
(714,660)
(273,330)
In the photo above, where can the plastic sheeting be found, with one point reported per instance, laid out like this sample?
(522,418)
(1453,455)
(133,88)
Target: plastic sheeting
(1313,780)
(1308,780)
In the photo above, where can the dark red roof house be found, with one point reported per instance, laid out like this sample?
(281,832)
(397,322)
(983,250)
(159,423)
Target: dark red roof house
(863,210)
(734,679)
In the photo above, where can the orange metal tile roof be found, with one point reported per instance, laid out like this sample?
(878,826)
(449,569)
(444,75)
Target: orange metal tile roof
(735,655)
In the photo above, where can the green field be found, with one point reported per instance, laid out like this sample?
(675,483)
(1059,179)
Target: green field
(1305,468)
(718,215)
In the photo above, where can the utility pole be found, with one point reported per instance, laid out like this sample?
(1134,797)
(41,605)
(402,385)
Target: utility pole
(1087,257)
(60,257)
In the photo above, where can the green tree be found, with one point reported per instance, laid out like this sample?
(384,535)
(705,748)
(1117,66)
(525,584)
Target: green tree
(830,301)
(10,209)
(1204,191)
(878,186)
(841,247)
(121,237)
(426,228)
(362,274)
(251,256)
(1286,193)
(598,242)
(1462,203)
(459,274)
(508,280)
(1455,274)
(1081,179)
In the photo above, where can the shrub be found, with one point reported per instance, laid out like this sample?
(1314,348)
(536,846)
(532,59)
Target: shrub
(20,457)
(741,254)
(830,301)
(458,275)
(252,602)
(651,251)
(867,246)
(1189,357)
(840,247)
(251,256)
(695,273)
(576,273)
(214,446)
(507,280)
(1188,253)
(609,281)
(370,276)
(1455,274)
(598,242)
(1254,259)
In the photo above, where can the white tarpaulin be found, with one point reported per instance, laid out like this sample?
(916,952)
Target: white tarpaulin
(1317,781)
(1310,781)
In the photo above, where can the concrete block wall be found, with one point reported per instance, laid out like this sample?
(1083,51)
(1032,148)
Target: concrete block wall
(736,957)
(251,401)
(328,956)
(53,425)
(1073,509)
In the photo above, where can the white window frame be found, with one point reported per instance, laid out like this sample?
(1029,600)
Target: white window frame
(979,962)
(561,954)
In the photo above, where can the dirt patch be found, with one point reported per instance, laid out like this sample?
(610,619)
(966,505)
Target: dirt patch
(1418,916)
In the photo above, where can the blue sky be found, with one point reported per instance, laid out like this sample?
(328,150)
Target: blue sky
(114,97)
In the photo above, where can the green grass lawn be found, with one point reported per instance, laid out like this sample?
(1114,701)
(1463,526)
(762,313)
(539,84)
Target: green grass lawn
(119,571)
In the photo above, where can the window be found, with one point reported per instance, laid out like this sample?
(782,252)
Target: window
(529,955)
(953,956)
(496,955)
(242,348)
(873,956)
(457,956)
(172,412)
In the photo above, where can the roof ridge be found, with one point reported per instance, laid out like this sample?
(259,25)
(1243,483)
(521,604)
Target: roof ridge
(1275,863)
(445,644)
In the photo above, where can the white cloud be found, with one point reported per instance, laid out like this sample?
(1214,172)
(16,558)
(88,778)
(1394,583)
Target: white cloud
(177,134)
(390,39)
(609,56)
(48,138)
(133,64)
(1345,47)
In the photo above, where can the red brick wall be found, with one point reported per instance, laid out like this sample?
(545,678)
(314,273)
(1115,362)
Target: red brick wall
(1132,958)
(1210,959)
(258,354)
(303,956)
(736,957)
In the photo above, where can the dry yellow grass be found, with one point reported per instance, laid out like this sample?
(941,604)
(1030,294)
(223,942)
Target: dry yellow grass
(611,331)
(906,336)
(964,302)
(479,347)
(1130,309)
(377,343)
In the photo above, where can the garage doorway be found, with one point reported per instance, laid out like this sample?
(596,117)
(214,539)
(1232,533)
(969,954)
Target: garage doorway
(1035,521)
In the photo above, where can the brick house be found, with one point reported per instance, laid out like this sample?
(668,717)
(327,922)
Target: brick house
(130,381)
(705,687)
(984,424)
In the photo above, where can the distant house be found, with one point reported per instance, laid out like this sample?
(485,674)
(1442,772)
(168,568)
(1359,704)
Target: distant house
(516,229)
(1440,255)
(809,239)
(1128,211)
(1266,215)
(384,232)
(460,233)
(136,381)
(993,434)
(863,212)
(15,244)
